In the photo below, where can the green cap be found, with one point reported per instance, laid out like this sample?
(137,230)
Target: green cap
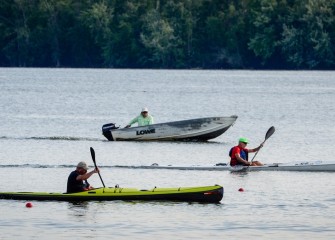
(244,140)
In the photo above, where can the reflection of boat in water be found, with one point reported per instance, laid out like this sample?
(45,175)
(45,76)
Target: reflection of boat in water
(208,194)
(303,166)
(200,129)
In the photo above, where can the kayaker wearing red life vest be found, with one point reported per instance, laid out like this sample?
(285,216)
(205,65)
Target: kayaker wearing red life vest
(239,154)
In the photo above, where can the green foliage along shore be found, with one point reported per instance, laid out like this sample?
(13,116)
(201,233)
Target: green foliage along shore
(205,34)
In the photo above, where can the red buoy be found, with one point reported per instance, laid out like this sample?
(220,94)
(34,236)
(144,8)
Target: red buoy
(29,205)
(241,190)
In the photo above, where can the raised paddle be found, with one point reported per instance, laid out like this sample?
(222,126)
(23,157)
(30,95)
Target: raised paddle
(93,158)
(267,135)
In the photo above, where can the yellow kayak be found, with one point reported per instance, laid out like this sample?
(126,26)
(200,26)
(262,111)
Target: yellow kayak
(210,194)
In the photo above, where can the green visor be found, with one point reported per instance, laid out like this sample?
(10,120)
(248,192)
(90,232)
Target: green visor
(244,140)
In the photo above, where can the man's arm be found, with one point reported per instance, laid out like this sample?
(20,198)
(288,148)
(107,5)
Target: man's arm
(241,160)
(135,120)
(256,149)
(87,175)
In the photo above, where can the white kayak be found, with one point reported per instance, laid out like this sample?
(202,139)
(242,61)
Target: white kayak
(200,129)
(302,166)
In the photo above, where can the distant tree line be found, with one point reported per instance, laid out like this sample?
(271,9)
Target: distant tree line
(206,34)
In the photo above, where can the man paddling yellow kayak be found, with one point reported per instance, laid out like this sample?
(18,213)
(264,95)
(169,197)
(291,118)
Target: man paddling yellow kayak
(77,181)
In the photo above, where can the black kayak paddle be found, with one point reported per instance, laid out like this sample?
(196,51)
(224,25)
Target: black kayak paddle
(267,135)
(95,165)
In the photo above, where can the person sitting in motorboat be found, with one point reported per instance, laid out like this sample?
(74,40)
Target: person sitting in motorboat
(239,154)
(77,180)
(143,119)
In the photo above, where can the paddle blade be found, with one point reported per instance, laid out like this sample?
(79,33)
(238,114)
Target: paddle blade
(270,132)
(267,135)
(92,154)
(93,158)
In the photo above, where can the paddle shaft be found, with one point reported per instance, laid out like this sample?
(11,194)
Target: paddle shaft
(257,152)
(95,165)
(267,135)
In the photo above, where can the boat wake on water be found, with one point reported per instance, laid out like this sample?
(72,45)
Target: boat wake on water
(299,166)
(49,166)
(35,166)
(58,138)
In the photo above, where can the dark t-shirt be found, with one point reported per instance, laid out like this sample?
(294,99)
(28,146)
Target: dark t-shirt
(73,185)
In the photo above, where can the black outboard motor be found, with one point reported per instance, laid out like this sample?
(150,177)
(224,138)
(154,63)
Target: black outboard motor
(106,130)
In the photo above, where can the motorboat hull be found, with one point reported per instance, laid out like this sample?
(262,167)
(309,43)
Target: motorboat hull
(201,129)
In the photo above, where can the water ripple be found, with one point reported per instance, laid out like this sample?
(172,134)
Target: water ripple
(61,138)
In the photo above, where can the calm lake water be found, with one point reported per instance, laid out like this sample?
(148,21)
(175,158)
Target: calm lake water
(50,117)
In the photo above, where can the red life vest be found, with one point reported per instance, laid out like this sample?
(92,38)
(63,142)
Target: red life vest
(243,154)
